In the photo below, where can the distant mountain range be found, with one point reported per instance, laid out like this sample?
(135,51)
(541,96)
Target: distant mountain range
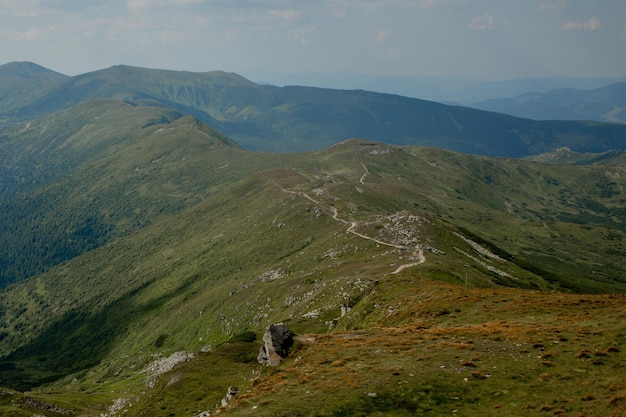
(457,91)
(605,104)
(293,119)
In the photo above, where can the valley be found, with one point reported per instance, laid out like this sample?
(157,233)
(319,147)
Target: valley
(144,254)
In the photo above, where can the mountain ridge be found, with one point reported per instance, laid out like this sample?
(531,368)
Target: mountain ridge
(22,82)
(289,119)
(415,241)
(604,104)
(28,70)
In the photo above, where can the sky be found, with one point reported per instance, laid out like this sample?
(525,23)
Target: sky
(483,39)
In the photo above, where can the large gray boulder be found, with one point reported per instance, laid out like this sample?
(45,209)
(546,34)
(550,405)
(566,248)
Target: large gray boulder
(278,339)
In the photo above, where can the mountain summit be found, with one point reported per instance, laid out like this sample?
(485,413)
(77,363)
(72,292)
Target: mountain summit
(27,71)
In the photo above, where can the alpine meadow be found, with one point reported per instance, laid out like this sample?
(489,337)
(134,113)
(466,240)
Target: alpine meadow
(157,226)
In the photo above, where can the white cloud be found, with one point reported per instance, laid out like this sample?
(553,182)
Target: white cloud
(553,6)
(288,15)
(136,5)
(481,22)
(320,35)
(427,3)
(28,9)
(335,13)
(432,3)
(174,37)
(139,4)
(301,35)
(591,25)
(371,7)
(365,7)
(20,36)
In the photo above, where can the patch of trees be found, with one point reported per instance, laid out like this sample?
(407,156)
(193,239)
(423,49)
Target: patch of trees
(38,233)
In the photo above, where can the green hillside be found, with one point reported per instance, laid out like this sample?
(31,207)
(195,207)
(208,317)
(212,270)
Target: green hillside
(143,253)
(294,119)
(103,169)
(20,84)
(566,156)
(387,231)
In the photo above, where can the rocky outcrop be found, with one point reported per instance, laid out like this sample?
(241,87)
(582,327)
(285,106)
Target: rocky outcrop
(32,403)
(163,365)
(230,394)
(278,339)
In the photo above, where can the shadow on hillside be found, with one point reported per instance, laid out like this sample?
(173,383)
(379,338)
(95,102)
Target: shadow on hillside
(76,342)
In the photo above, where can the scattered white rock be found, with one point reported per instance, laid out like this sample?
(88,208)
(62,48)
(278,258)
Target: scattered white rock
(486,265)
(118,405)
(163,365)
(312,314)
(272,275)
(479,249)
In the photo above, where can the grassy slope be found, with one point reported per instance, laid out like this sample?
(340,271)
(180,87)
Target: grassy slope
(438,348)
(566,156)
(267,249)
(106,168)
(20,84)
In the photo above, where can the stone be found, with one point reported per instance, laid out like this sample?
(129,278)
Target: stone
(230,394)
(232,391)
(278,339)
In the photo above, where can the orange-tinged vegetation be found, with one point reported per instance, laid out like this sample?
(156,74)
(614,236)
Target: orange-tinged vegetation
(495,352)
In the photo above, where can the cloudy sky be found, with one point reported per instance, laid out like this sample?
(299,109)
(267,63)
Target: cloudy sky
(487,39)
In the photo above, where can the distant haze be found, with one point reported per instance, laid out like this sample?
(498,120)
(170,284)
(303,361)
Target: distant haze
(462,91)
(488,40)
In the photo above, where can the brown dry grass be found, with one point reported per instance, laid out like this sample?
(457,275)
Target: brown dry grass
(505,350)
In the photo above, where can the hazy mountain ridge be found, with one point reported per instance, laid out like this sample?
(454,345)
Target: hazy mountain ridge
(304,118)
(606,104)
(456,91)
(23,71)
(22,82)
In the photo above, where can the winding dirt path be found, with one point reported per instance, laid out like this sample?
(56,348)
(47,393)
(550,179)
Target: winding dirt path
(418,252)
(362,180)
(365,170)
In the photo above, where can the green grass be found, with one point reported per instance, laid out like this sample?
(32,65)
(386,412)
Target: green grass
(258,244)
(448,347)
